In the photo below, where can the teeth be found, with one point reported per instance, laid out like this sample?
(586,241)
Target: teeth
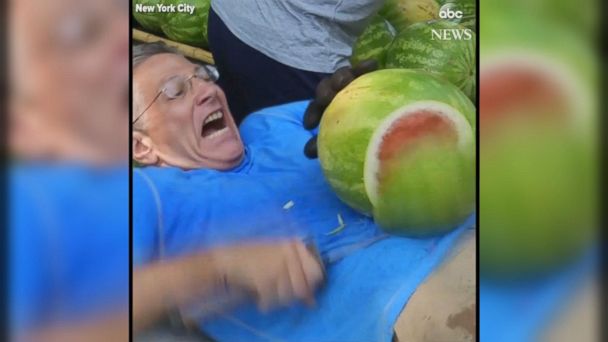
(215,116)
(215,134)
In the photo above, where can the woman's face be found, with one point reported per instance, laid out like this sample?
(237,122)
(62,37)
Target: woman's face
(71,66)
(191,131)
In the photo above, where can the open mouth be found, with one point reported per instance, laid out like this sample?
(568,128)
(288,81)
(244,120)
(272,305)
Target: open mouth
(214,125)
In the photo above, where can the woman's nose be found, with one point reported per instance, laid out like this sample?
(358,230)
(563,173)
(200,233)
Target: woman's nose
(204,91)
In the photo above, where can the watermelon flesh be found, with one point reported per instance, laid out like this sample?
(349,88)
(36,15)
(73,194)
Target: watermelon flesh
(366,117)
(521,90)
(407,130)
(419,172)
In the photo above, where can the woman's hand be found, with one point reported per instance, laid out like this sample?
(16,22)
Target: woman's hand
(274,273)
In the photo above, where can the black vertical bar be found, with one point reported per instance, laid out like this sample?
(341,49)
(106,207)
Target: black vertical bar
(4,213)
(602,272)
(130,175)
(477,168)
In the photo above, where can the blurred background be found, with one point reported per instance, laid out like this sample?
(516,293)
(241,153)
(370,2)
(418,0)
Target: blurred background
(68,170)
(539,158)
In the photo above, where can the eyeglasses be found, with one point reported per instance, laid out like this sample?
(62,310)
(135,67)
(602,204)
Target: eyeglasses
(177,86)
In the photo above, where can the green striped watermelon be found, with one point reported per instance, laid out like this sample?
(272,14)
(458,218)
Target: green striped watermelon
(538,108)
(186,28)
(373,42)
(418,47)
(399,145)
(402,13)
(468,9)
(150,21)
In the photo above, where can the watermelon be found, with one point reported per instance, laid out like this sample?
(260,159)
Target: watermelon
(402,13)
(399,145)
(538,178)
(186,28)
(373,42)
(536,199)
(468,9)
(150,21)
(418,48)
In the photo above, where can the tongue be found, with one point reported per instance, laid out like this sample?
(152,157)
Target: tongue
(212,127)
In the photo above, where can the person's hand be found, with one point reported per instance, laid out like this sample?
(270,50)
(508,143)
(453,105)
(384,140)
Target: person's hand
(325,93)
(275,274)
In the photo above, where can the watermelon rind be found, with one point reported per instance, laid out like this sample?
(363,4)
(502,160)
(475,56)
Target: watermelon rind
(149,21)
(372,165)
(186,28)
(468,9)
(373,43)
(403,13)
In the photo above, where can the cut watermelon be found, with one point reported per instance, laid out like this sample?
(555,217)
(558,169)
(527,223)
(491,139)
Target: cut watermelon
(419,169)
(381,131)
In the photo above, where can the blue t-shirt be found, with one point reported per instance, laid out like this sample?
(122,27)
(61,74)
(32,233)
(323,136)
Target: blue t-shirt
(276,192)
(69,243)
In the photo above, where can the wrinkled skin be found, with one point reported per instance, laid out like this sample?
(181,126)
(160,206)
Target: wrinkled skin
(69,81)
(172,129)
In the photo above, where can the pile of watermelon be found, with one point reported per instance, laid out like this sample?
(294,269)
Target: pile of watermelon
(398,144)
(404,34)
(186,28)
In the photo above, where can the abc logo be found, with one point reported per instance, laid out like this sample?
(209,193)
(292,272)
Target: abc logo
(446,12)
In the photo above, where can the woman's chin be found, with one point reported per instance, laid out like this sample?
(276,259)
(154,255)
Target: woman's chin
(229,156)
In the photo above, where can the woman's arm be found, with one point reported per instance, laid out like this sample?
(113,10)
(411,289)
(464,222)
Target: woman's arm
(161,286)
(115,328)
(272,273)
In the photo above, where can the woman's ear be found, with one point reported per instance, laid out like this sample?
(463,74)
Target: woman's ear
(143,149)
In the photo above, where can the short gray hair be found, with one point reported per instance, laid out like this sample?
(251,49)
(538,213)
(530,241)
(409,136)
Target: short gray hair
(141,52)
